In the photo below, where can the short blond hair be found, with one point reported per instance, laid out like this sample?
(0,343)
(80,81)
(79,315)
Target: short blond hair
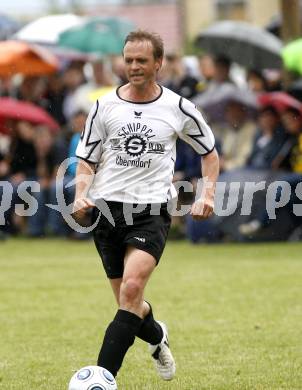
(154,38)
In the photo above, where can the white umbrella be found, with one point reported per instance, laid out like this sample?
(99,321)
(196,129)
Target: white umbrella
(46,30)
(243,43)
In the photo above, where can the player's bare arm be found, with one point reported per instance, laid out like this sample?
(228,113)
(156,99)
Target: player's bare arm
(84,177)
(204,207)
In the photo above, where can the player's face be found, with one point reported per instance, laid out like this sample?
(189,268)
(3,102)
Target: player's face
(140,65)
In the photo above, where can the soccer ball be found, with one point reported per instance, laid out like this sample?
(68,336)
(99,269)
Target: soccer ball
(92,378)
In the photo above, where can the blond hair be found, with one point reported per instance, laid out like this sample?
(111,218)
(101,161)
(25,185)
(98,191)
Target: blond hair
(154,38)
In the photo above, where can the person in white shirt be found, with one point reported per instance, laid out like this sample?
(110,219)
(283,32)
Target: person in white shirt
(127,151)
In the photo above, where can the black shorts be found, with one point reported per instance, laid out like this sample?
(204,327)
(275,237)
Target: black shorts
(148,232)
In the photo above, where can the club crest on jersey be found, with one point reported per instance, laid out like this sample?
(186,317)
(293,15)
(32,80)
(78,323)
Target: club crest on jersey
(137,115)
(135,145)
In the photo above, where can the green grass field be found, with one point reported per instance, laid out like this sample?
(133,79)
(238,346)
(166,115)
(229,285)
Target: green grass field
(234,314)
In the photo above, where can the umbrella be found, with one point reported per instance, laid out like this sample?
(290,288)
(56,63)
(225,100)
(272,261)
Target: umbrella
(97,35)
(46,29)
(280,100)
(243,43)
(20,110)
(20,57)
(7,26)
(215,100)
(292,56)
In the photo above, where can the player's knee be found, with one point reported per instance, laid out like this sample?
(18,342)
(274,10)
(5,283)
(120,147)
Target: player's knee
(131,290)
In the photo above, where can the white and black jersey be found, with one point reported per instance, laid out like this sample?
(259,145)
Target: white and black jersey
(134,145)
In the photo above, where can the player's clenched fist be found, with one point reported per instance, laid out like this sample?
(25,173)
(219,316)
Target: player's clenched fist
(80,207)
(202,209)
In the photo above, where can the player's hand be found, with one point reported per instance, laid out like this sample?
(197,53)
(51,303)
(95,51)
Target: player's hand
(80,207)
(202,208)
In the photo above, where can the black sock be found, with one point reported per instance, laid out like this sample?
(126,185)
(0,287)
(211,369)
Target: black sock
(150,331)
(118,338)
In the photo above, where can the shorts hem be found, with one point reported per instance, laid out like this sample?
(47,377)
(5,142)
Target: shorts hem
(114,276)
(151,252)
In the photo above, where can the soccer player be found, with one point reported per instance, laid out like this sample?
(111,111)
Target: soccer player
(127,152)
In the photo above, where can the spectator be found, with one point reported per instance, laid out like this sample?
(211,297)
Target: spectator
(177,79)
(77,126)
(237,137)
(51,153)
(273,79)
(55,95)
(73,77)
(222,67)
(206,70)
(256,81)
(221,79)
(206,67)
(102,77)
(22,160)
(33,90)
(289,157)
(43,142)
(268,141)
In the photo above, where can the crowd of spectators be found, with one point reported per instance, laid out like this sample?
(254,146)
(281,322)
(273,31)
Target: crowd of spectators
(255,142)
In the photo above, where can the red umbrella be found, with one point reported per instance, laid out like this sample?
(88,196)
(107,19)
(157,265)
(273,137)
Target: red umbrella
(20,110)
(280,100)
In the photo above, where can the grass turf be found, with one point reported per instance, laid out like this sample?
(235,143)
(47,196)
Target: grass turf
(234,314)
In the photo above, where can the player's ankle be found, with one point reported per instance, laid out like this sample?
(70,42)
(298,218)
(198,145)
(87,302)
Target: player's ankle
(146,309)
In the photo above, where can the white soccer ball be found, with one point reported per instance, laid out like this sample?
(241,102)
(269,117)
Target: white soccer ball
(92,378)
